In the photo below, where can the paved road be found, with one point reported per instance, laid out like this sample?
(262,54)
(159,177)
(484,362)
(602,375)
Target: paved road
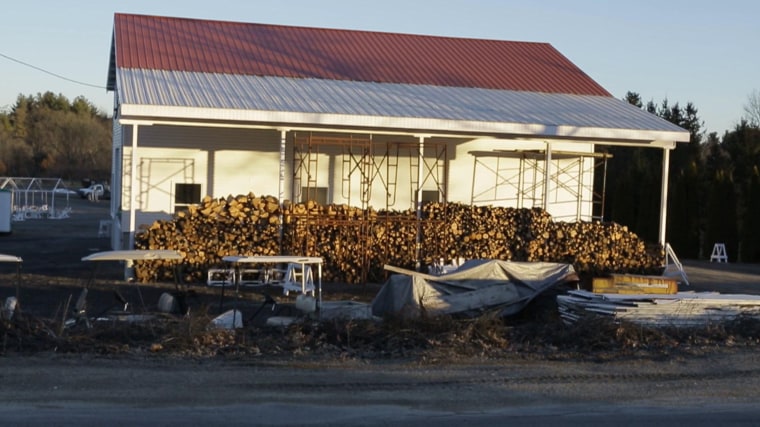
(293,414)
(83,391)
(726,278)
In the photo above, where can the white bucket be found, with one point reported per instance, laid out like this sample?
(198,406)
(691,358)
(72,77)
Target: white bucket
(167,303)
(231,319)
(306,303)
(280,320)
(9,308)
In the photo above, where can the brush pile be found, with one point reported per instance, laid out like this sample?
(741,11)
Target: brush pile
(426,339)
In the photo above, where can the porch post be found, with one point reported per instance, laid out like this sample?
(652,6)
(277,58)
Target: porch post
(547,175)
(664,194)
(420,175)
(281,188)
(133,188)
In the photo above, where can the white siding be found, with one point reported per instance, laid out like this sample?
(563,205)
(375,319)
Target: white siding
(223,161)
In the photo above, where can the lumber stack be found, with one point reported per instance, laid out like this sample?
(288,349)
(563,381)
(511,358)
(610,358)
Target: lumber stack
(356,243)
(634,284)
(682,309)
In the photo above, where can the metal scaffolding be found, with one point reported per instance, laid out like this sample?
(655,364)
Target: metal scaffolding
(33,197)
(181,167)
(366,168)
(518,177)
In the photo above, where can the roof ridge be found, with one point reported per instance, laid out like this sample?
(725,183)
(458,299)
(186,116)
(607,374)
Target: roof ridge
(331,29)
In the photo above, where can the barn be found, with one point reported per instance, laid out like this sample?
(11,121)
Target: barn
(367,119)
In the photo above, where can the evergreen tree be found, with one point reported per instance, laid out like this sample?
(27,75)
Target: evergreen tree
(742,146)
(722,215)
(750,236)
(634,182)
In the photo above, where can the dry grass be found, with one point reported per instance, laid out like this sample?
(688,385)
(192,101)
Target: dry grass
(537,334)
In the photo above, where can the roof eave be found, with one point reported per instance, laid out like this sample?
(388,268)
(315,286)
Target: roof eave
(111,78)
(412,125)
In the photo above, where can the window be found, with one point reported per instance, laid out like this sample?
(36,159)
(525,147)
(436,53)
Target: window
(430,196)
(317,194)
(186,194)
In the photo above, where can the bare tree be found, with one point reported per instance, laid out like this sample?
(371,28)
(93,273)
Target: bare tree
(752,108)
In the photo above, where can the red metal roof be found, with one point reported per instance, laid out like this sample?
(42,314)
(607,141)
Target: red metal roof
(193,45)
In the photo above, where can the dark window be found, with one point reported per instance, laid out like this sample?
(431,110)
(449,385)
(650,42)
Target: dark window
(430,196)
(187,194)
(317,194)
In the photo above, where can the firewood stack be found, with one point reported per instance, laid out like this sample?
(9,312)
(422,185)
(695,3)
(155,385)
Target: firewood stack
(337,233)
(242,225)
(597,248)
(485,231)
(356,243)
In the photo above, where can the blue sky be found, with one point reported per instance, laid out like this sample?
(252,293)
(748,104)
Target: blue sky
(698,51)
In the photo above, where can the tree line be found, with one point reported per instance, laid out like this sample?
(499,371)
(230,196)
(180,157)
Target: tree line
(49,136)
(714,182)
(714,185)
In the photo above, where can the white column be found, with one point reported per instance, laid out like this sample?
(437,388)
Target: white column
(420,175)
(664,194)
(547,175)
(133,189)
(281,187)
(521,183)
(283,145)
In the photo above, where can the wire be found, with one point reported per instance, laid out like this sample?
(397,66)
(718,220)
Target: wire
(50,72)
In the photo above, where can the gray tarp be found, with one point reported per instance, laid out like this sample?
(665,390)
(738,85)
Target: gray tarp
(475,286)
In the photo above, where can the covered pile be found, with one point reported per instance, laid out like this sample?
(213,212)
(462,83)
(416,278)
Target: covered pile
(475,287)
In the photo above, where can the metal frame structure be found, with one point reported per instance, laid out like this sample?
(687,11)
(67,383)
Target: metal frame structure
(28,192)
(528,178)
(372,163)
(186,167)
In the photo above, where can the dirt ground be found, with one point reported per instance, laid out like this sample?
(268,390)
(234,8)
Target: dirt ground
(708,385)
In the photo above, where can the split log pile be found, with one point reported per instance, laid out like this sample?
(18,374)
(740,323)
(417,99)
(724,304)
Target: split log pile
(597,248)
(337,233)
(356,243)
(241,225)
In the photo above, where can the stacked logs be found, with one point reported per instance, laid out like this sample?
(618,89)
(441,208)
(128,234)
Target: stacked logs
(356,243)
(337,233)
(241,225)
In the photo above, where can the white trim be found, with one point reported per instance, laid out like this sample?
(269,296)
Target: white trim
(664,194)
(547,175)
(148,122)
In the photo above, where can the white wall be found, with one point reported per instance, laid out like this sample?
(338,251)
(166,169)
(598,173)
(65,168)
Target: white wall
(483,179)
(223,161)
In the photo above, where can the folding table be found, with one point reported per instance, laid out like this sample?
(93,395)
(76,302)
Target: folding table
(130,256)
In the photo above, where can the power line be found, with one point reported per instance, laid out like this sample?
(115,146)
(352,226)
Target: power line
(50,72)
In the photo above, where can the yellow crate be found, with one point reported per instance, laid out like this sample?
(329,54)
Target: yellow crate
(634,284)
